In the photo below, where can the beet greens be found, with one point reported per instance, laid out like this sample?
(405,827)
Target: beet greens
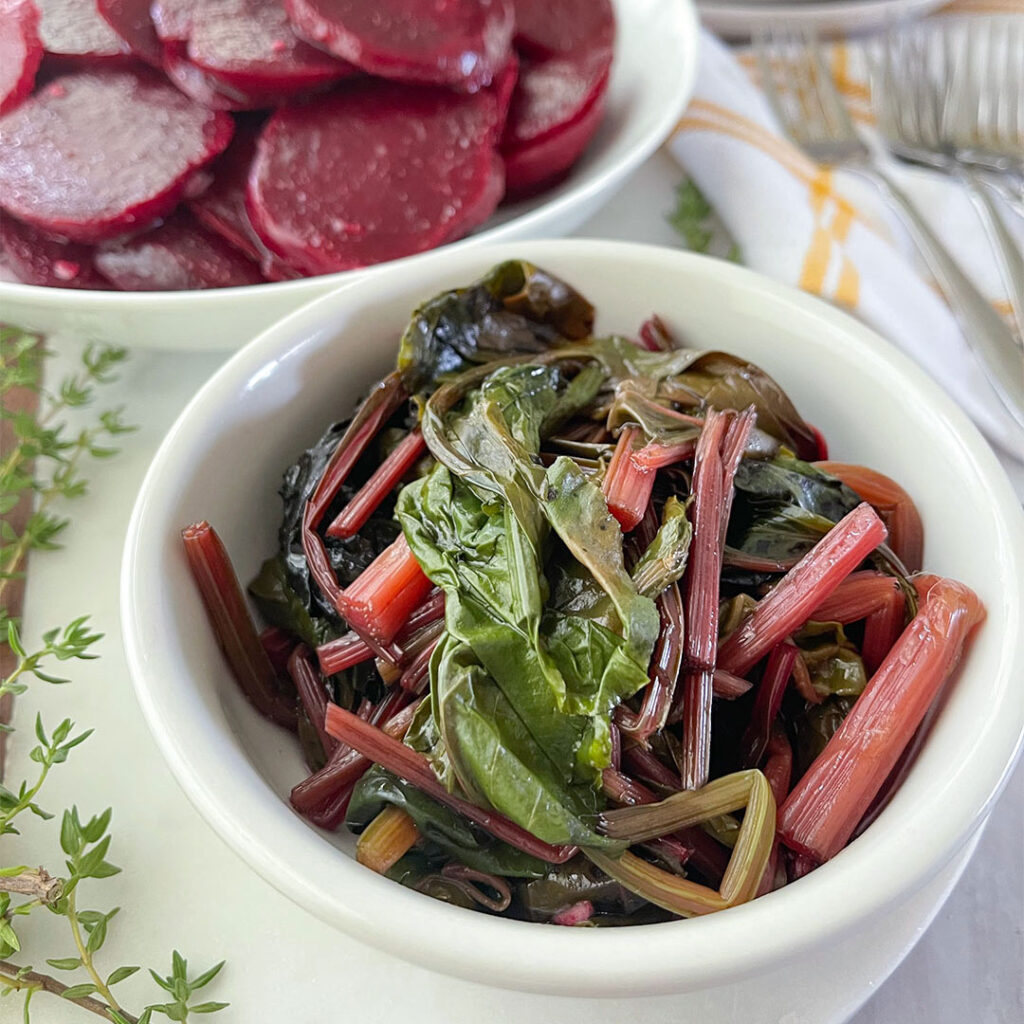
(573,619)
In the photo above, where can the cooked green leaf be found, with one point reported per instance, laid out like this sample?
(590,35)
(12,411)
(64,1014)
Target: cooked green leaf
(522,682)
(449,831)
(516,309)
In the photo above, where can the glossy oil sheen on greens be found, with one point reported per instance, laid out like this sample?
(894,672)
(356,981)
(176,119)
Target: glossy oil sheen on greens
(522,690)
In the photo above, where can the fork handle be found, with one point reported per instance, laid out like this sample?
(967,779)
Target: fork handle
(986,333)
(1011,261)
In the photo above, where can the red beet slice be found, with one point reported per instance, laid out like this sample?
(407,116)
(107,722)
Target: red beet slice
(504,87)
(373,172)
(36,258)
(131,20)
(461,43)
(177,255)
(132,24)
(209,91)
(556,108)
(96,154)
(20,51)
(221,207)
(74,29)
(546,29)
(246,44)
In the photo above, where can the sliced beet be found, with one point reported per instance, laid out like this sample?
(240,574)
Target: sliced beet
(74,29)
(20,51)
(205,89)
(556,108)
(131,22)
(221,207)
(36,258)
(546,29)
(177,255)
(374,172)
(531,168)
(460,43)
(248,45)
(504,87)
(96,154)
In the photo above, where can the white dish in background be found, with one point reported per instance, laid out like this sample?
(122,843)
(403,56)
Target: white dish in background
(309,369)
(738,19)
(652,79)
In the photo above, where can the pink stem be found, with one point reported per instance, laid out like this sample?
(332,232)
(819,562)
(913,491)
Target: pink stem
(707,855)
(346,765)
(821,813)
(767,702)
(279,645)
(664,671)
(655,336)
(882,629)
(654,455)
(415,769)
(641,762)
(729,687)
(576,914)
(354,515)
(312,693)
(702,578)
(350,649)
(803,589)
(378,408)
(232,624)
(416,676)
(733,446)
(383,597)
(856,597)
(627,486)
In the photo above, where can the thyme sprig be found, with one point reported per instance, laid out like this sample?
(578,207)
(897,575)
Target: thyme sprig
(44,465)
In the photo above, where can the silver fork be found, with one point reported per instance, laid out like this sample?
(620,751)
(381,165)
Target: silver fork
(800,88)
(949,95)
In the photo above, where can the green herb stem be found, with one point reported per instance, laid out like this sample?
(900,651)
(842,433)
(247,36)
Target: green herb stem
(86,955)
(26,800)
(13,977)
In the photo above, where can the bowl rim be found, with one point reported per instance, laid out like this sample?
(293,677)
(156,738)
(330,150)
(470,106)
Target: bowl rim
(669,957)
(686,26)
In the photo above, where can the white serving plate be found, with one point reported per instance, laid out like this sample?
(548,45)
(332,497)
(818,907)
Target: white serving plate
(310,368)
(652,79)
(739,19)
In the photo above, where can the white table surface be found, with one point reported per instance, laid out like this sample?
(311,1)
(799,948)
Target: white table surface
(181,887)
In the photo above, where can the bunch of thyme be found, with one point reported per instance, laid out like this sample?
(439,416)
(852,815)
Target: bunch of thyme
(40,468)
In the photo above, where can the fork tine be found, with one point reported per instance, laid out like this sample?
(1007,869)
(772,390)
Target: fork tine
(927,100)
(815,82)
(895,114)
(1012,134)
(956,73)
(765,62)
(979,57)
(828,91)
(792,91)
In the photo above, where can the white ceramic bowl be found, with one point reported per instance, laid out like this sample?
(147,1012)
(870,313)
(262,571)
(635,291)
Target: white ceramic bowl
(223,459)
(652,80)
(739,19)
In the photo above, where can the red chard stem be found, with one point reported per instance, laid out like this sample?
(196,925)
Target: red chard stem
(767,702)
(627,486)
(821,813)
(804,588)
(387,477)
(312,693)
(412,766)
(233,626)
(702,575)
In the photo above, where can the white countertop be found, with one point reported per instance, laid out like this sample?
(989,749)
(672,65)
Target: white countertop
(181,887)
